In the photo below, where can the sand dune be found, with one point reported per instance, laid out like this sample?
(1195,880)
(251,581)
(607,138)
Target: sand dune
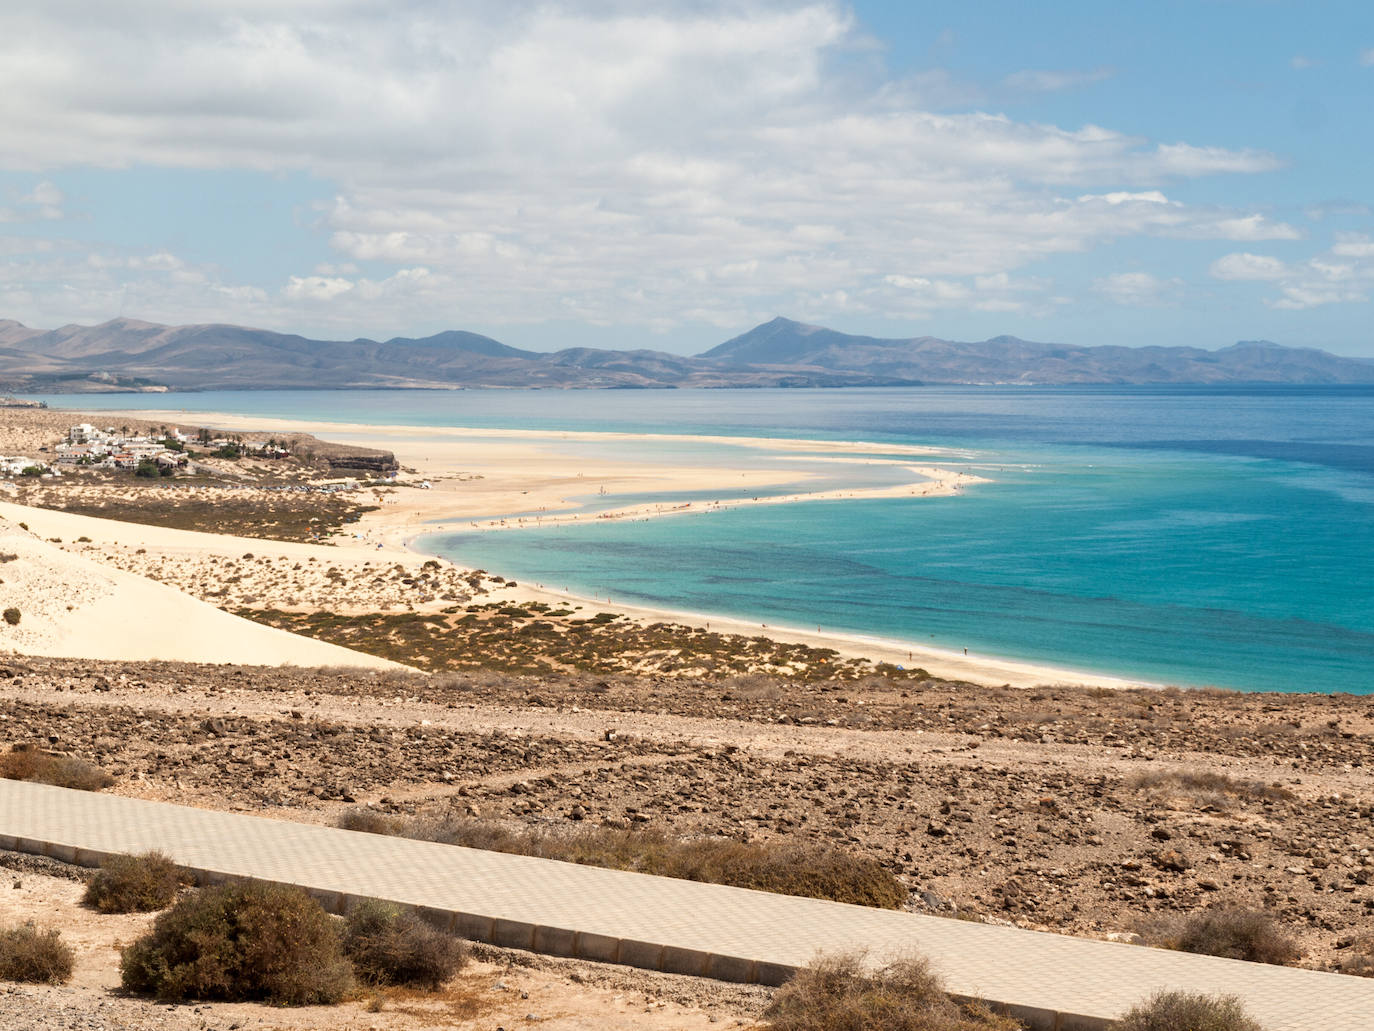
(71,606)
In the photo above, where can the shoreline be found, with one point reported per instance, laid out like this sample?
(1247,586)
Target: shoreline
(984,670)
(537,481)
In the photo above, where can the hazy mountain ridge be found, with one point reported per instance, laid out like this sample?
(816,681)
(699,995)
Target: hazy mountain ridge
(1009,359)
(780,352)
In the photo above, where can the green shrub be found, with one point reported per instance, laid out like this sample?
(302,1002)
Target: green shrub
(1188,1011)
(389,945)
(34,956)
(134,884)
(1236,934)
(238,942)
(25,762)
(838,993)
(12,616)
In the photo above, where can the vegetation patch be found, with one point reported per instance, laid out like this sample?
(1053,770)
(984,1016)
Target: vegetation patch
(535,640)
(1208,786)
(840,993)
(1188,1011)
(33,956)
(1246,934)
(134,884)
(392,946)
(793,868)
(241,942)
(26,762)
(272,514)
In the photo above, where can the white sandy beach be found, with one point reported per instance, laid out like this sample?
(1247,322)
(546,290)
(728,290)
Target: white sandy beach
(479,476)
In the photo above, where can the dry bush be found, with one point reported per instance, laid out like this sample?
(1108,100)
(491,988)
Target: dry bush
(134,884)
(399,679)
(1195,783)
(785,868)
(25,762)
(392,946)
(755,687)
(1245,934)
(838,993)
(37,957)
(1360,960)
(1188,1011)
(440,682)
(241,942)
(369,821)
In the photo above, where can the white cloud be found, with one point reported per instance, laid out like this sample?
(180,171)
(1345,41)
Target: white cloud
(1123,197)
(1344,275)
(1248,267)
(1249,227)
(1301,296)
(1137,289)
(43,202)
(1300,62)
(1353,245)
(1367,57)
(607,161)
(316,288)
(162,261)
(1031,81)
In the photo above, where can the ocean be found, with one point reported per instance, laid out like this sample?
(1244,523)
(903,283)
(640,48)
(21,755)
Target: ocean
(1193,536)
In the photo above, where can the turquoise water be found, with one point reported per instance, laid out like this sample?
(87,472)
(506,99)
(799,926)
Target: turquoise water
(1218,537)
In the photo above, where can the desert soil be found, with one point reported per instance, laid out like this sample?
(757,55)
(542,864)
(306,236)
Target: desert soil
(1059,809)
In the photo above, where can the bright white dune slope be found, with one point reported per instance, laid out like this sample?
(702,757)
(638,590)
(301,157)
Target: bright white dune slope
(70,606)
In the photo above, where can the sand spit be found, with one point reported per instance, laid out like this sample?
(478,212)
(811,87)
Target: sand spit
(478,479)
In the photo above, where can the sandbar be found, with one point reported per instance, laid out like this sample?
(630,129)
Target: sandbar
(496,479)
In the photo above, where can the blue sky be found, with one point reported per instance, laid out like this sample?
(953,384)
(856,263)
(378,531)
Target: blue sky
(618,174)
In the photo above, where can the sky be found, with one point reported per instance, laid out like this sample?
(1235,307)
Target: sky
(611,173)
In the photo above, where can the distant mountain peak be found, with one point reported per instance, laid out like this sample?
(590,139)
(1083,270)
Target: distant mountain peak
(781,352)
(1011,359)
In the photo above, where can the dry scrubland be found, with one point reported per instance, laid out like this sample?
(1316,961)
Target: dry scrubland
(231,505)
(1096,813)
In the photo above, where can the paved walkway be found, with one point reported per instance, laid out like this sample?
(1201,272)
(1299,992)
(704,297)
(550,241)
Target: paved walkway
(1051,980)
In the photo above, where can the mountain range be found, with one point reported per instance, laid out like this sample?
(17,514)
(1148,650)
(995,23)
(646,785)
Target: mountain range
(126,354)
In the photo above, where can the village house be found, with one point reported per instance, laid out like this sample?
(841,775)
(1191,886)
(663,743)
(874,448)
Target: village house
(106,449)
(15,466)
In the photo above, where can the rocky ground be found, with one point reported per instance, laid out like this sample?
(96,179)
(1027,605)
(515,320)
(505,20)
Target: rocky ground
(1088,812)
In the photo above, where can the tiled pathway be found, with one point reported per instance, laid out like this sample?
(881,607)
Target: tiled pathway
(680,926)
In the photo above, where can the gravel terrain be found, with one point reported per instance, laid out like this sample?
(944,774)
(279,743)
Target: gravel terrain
(1062,809)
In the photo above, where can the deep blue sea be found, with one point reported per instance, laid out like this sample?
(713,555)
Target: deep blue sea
(1220,536)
